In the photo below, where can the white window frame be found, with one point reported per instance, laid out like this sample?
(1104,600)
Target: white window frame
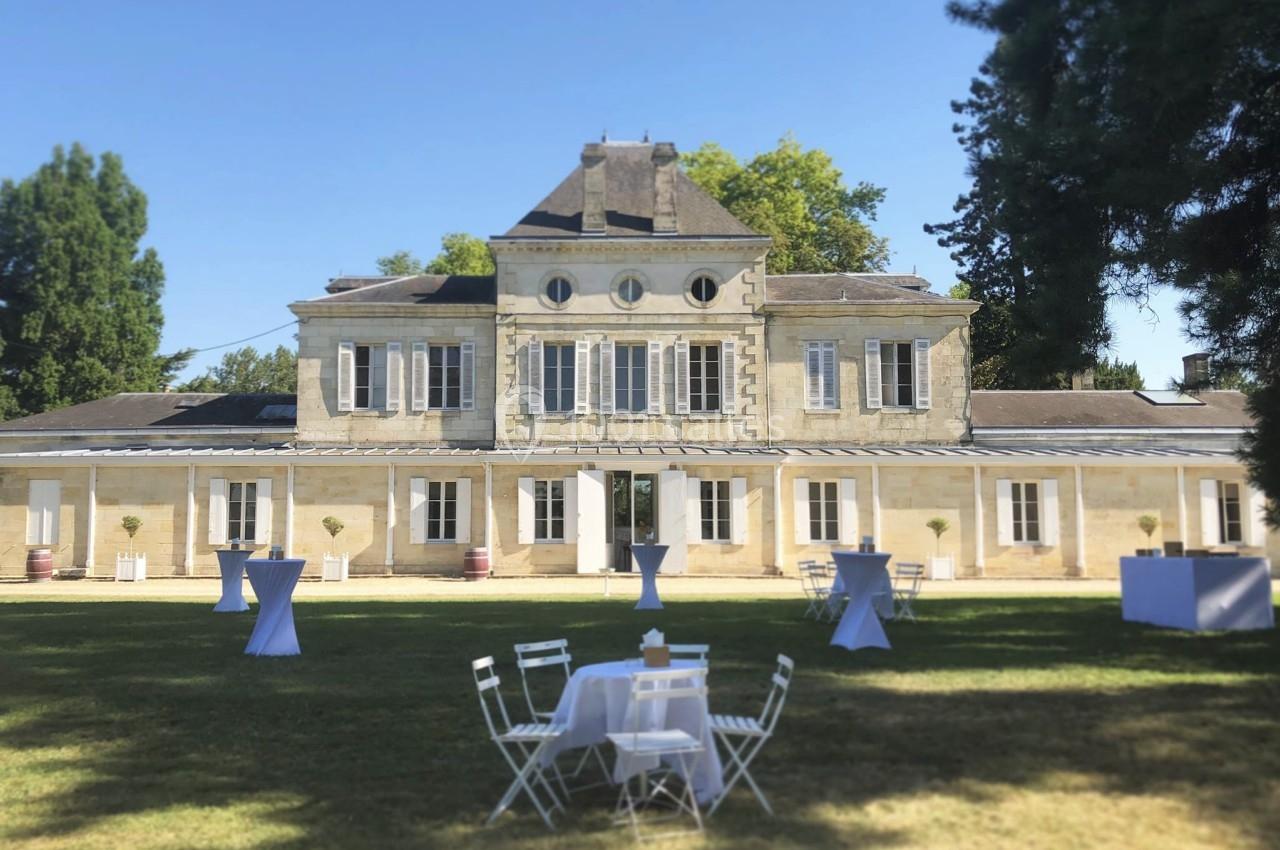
(555,380)
(821,362)
(545,499)
(631,380)
(375,374)
(1224,523)
(1019,503)
(891,362)
(445,370)
(439,501)
(824,510)
(717,508)
(243,506)
(698,392)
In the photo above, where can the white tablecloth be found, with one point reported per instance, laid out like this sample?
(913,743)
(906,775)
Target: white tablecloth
(231,565)
(597,700)
(1197,594)
(862,576)
(648,560)
(273,583)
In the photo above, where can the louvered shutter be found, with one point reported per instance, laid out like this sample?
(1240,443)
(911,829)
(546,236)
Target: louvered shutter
(581,384)
(1004,512)
(729,377)
(346,376)
(693,510)
(812,375)
(830,377)
(800,511)
(262,512)
(1256,518)
(682,376)
(534,394)
(418,394)
(871,365)
(1050,535)
(849,511)
(395,370)
(606,376)
(467,356)
(738,511)
(655,377)
(524,511)
(923,374)
(462,510)
(1210,522)
(217,511)
(44,504)
(571,509)
(417,510)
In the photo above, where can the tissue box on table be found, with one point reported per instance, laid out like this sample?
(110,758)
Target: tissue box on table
(655,649)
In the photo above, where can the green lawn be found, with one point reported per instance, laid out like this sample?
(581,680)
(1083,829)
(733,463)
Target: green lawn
(1036,722)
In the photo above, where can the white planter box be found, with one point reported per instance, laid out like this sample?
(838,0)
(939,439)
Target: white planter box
(336,567)
(942,568)
(131,567)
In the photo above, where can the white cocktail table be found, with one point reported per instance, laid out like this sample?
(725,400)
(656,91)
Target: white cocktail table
(648,560)
(231,565)
(1197,594)
(862,576)
(273,583)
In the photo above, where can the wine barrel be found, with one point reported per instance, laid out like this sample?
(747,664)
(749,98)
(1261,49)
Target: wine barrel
(476,564)
(40,565)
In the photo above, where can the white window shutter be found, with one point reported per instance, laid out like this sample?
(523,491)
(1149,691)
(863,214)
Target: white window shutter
(394,372)
(693,510)
(830,377)
(1210,522)
(346,376)
(217,511)
(262,512)
(1004,512)
(738,511)
(418,394)
(924,374)
(800,511)
(1255,518)
(44,504)
(534,394)
(729,377)
(1049,532)
(849,512)
(606,376)
(467,390)
(682,376)
(581,384)
(462,510)
(871,366)
(571,509)
(417,510)
(812,376)
(524,511)
(655,377)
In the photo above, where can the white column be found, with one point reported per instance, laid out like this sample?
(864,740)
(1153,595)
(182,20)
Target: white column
(189,552)
(488,510)
(1183,534)
(875,507)
(979,552)
(391,515)
(1080,568)
(288,513)
(92,523)
(777,517)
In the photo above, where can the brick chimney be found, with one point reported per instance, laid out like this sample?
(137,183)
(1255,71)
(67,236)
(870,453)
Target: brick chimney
(593,200)
(1082,380)
(1195,371)
(664,187)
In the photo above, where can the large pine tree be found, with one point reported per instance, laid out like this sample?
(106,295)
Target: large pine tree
(80,310)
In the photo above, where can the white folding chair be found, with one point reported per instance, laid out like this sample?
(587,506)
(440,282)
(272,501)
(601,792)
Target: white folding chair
(804,568)
(826,605)
(694,651)
(523,741)
(552,654)
(653,693)
(907,579)
(750,733)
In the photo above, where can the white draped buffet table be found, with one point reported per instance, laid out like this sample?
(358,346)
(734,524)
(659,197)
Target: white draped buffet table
(1197,594)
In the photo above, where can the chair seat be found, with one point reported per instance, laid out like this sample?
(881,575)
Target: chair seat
(534,732)
(731,724)
(655,743)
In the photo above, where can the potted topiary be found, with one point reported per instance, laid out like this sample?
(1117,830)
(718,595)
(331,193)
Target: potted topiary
(941,568)
(1148,524)
(336,566)
(131,566)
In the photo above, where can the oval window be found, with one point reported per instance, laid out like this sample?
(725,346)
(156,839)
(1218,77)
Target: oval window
(559,290)
(630,290)
(704,290)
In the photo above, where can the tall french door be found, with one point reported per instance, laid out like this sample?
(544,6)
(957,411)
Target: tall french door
(632,512)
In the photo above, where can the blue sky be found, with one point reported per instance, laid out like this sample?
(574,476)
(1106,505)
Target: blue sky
(281,144)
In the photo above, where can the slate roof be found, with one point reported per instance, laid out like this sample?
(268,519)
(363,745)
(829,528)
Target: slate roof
(629,174)
(358,281)
(168,411)
(1104,409)
(422,289)
(848,286)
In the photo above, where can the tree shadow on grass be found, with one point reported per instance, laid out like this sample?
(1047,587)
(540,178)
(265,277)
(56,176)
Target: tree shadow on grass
(373,737)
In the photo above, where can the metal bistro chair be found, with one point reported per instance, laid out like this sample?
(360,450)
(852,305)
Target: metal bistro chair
(648,688)
(523,741)
(907,579)
(694,651)
(751,733)
(552,654)
(804,568)
(826,605)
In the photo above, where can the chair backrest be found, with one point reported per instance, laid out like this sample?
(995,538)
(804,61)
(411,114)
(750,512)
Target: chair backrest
(700,651)
(777,693)
(818,580)
(908,574)
(547,653)
(672,683)
(487,683)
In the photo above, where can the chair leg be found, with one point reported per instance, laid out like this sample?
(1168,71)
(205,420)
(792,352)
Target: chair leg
(521,783)
(737,769)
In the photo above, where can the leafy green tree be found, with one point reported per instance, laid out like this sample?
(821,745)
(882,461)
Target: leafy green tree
(799,198)
(80,313)
(400,264)
(245,371)
(460,253)
(1114,375)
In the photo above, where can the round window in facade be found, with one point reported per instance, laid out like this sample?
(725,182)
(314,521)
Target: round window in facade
(704,289)
(558,290)
(630,290)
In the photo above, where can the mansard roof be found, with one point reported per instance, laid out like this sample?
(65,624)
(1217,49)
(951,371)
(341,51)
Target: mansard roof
(849,286)
(629,196)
